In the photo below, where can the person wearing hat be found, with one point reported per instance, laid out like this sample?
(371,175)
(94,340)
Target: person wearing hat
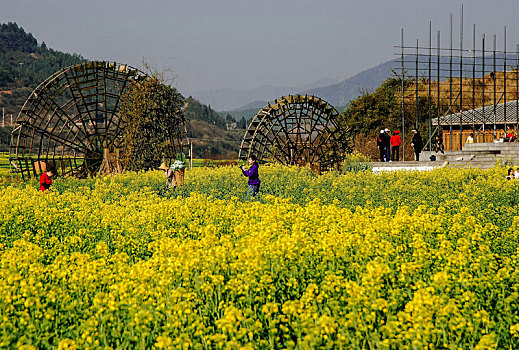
(395,141)
(417,144)
(169,174)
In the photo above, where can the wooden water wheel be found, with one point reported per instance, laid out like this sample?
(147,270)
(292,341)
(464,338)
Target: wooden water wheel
(71,121)
(298,129)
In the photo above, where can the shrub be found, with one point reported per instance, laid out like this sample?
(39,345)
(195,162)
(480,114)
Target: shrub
(356,162)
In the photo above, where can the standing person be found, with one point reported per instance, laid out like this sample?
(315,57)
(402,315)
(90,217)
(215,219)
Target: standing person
(395,141)
(380,145)
(171,180)
(253,175)
(417,144)
(387,144)
(470,138)
(46,178)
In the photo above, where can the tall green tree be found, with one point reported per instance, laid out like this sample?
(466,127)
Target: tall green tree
(374,110)
(152,117)
(382,109)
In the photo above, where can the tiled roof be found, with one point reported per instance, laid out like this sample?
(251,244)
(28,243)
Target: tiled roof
(482,115)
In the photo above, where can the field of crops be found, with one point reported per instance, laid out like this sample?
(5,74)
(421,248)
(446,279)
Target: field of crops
(357,261)
(4,164)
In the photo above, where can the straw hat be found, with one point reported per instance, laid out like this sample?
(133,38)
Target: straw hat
(40,167)
(163,166)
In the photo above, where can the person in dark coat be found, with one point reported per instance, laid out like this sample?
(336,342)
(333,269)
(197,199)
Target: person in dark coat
(417,144)
(253,175)
(381,140)
(387,144)
(438,144)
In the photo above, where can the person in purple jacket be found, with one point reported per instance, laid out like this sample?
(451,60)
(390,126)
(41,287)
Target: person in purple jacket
(253,175)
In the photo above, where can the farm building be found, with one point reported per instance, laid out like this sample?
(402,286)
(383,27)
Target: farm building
(484,123)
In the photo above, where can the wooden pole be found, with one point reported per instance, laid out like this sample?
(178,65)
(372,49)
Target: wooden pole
(403,95)
(191,155)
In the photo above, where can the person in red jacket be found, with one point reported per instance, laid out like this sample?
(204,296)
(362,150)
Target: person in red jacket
(395,141)
(46,179)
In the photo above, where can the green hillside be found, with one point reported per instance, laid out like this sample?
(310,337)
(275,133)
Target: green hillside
(208,131)
(214,143)
(24,64)
(244,115)
(194,110)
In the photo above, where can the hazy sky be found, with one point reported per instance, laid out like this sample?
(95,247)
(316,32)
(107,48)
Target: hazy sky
(242,44)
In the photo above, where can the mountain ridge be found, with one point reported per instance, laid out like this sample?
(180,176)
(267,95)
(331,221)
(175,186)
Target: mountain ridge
(335,92)
(231,99)
(341,93)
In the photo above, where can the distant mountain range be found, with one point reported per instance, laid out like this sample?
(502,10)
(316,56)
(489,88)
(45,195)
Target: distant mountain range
(334,92)
(229,100)
(340,93)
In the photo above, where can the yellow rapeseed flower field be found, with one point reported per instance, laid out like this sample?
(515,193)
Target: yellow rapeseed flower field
(357,261)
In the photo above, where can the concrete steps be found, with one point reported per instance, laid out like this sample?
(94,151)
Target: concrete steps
(406,163)
(476,155)
(471,147)
(472,164)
